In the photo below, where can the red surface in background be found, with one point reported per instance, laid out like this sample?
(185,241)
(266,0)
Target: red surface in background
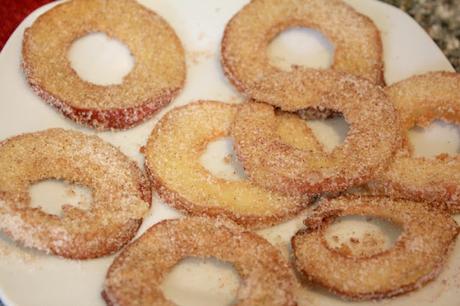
(12,12)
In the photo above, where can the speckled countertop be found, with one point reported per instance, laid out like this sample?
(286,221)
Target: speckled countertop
(441,19)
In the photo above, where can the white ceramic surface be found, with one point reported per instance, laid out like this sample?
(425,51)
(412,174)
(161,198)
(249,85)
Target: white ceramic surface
(31,278)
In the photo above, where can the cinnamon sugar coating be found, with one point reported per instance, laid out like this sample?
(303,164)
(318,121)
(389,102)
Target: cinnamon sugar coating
(121,194)
(417,256)
(276,164)
(358,50)
(156,78)
(135,276)
(172,161)
(420,100)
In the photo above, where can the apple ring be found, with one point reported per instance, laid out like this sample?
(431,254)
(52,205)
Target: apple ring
(275,164)
(416,257)
(172,161)
(157,76)
(358,50)
(135,276)
(420,100)
(121,193)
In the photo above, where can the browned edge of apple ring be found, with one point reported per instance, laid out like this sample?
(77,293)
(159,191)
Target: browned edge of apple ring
(417,256)
(121,193)
(135,276)
(156,78)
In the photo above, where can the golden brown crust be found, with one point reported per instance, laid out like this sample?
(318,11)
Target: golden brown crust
(120,191)
(420,100)
(172,161)
(155,80)
(273,163)
(358,50)
(416,257)
(135,276)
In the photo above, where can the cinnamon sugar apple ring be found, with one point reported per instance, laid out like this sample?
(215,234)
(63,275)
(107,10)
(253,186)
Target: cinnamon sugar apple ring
(156,78)
(278,165)
(121,194)
(135,276)
(358,50)
(172,159)
(417,256)
(420,100)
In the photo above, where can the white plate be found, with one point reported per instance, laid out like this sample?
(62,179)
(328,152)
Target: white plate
(31,278)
